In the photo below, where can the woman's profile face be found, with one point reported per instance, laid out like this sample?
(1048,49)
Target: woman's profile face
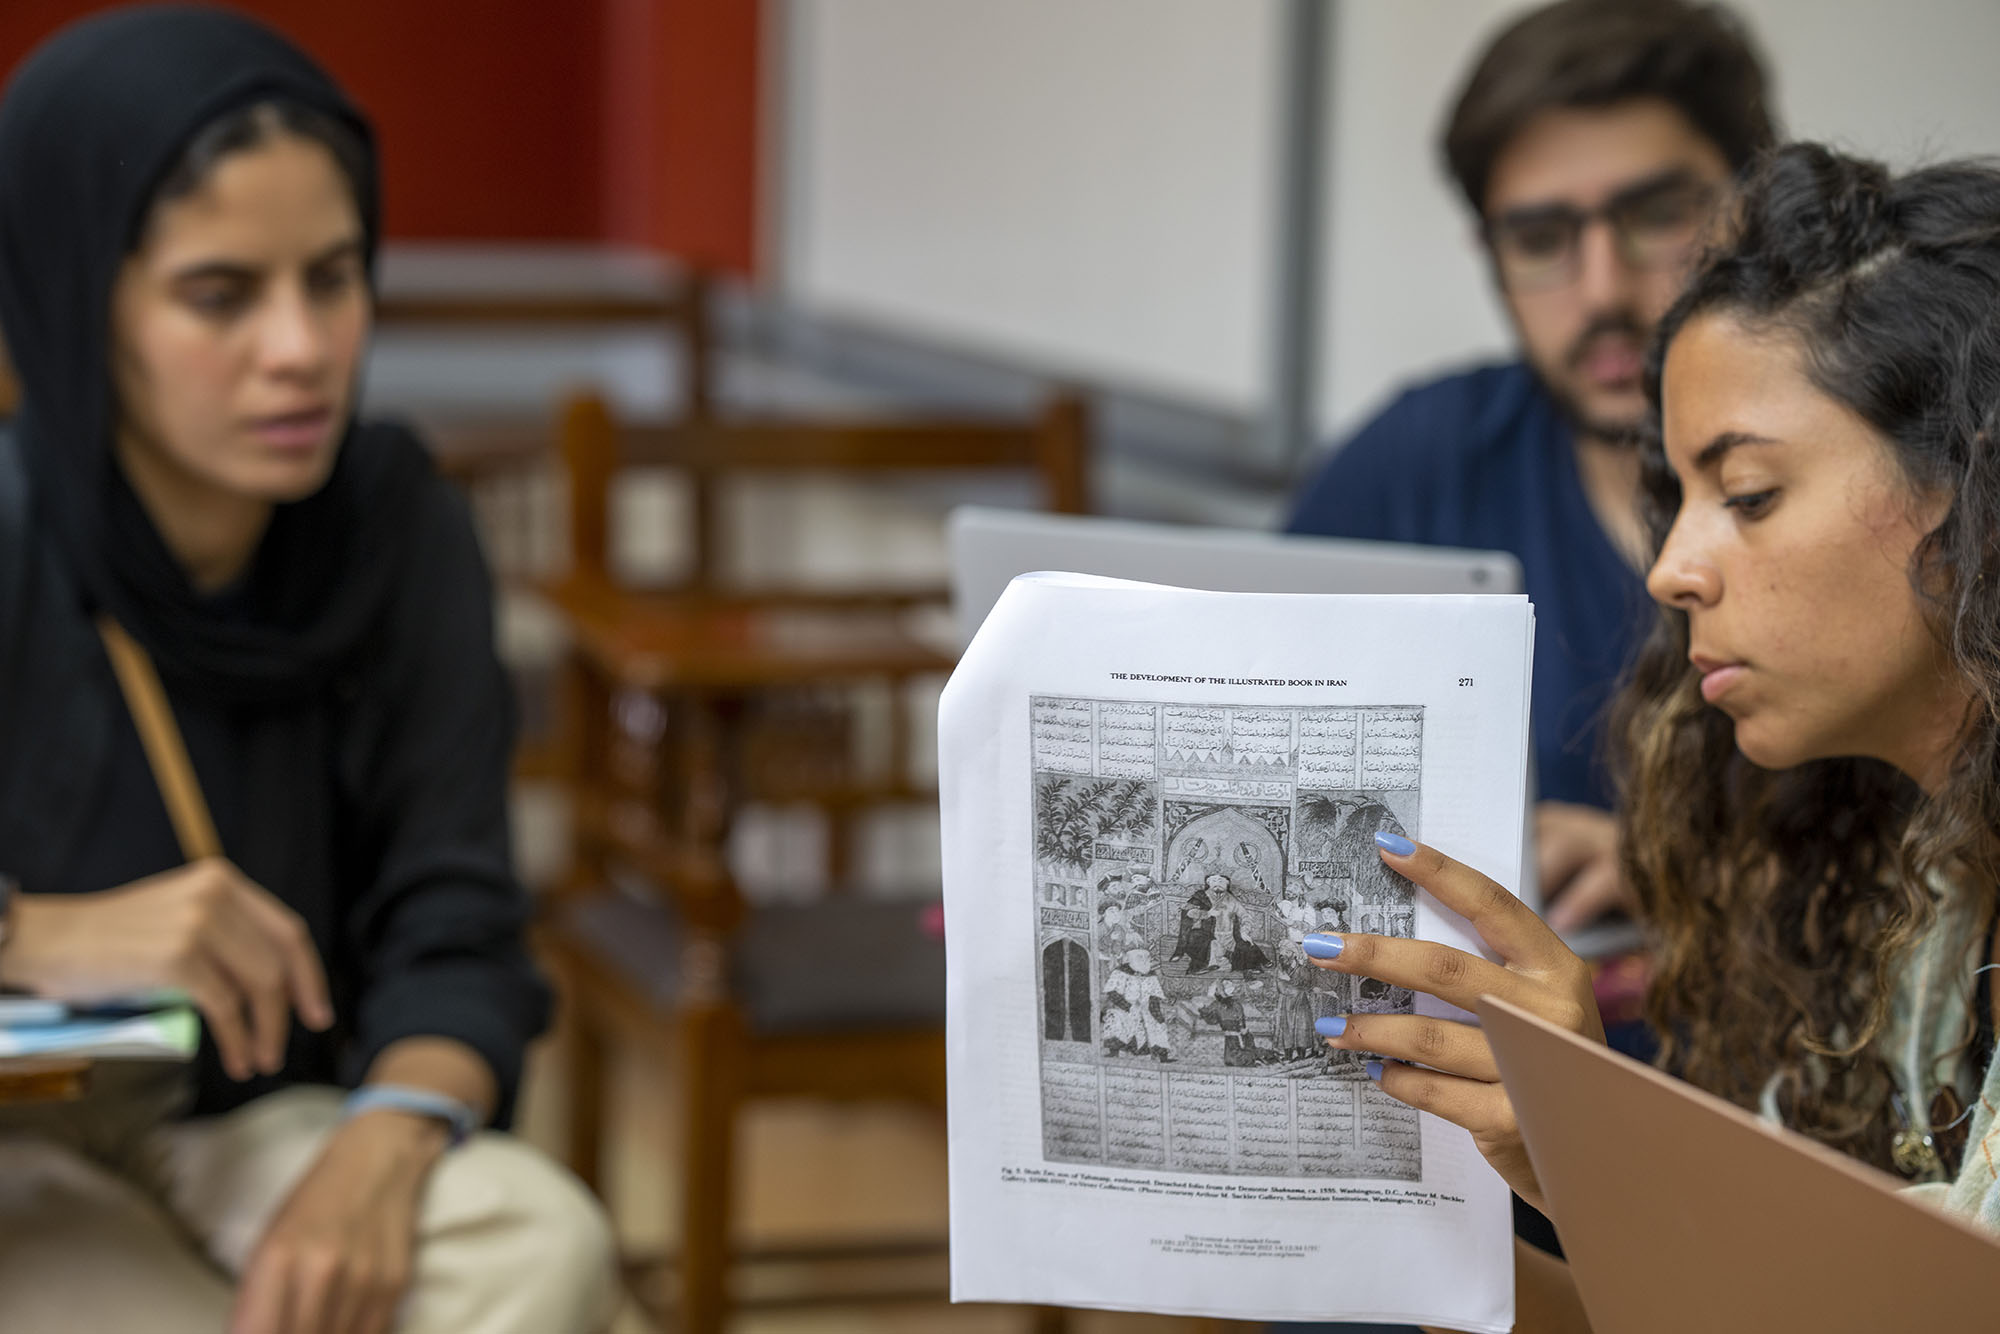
(238,325)
(1791,557)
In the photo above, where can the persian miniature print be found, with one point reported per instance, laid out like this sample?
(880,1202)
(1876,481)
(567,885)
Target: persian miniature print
(1182,852)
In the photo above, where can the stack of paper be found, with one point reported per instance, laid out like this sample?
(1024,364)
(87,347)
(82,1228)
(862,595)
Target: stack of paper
(160,1027)
(1150,795)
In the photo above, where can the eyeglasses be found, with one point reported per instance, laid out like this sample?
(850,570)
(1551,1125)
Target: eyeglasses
(1655,223)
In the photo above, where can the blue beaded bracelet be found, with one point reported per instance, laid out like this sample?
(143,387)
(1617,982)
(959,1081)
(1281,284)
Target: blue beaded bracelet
(460,1119)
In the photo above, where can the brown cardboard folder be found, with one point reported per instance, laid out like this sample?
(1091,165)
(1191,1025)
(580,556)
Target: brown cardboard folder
(1683,1213)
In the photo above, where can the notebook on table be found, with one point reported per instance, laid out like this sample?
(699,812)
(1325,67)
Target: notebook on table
(1681,1212)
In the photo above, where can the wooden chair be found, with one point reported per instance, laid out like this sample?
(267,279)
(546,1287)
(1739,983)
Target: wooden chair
(511,468)
(503,298)
(25,1079)
(687,703)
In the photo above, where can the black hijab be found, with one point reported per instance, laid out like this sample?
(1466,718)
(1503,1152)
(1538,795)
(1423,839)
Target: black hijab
(91,123)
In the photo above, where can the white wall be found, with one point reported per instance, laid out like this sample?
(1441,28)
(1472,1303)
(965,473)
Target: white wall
(1081,183)
(1086,185)
(1406,295)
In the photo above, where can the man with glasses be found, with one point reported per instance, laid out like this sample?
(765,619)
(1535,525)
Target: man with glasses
(1593,141)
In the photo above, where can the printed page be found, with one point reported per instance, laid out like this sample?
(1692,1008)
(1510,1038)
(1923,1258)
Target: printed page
(1150,795)
(165,1035)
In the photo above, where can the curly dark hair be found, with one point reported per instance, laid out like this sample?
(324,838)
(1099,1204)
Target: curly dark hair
(1783,901)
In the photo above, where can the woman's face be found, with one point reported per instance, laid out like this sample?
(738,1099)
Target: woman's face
(1791,557)
(238,326)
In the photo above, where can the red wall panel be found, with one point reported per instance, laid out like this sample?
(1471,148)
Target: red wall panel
(627,120)
(682,97)
(709,131)
(487,109)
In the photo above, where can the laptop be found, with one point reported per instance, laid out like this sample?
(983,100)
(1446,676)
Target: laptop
(1682,1212)
(990,546)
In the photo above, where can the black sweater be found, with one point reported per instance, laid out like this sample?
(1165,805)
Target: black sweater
(377,812)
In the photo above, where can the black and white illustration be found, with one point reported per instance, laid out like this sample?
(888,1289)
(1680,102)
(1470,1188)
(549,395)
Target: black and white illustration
(1182,852)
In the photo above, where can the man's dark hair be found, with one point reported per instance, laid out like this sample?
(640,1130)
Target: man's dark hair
(1698,59)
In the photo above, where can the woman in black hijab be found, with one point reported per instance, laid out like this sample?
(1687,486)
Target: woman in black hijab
(188,221)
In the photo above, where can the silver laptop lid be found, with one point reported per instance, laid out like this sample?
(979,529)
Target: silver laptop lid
(991,546)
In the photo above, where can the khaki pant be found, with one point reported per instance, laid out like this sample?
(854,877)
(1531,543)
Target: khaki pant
(112,1220)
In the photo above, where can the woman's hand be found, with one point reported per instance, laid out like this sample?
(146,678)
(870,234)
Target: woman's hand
(244,959)
(1576,856)
(338,1256)
(1441,1066)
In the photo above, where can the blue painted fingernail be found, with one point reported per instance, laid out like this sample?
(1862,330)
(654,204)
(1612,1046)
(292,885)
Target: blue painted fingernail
(1319,945)
(1375,1071)
(1394,844)
(1332,1026)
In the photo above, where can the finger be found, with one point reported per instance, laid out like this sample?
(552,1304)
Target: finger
(1592,894)
(316,1292)
(377,1313)
(261,1294)
(240,952)
(1438,970)
(1505,923)
(305,977)
(347,1303)
(221,1004)
(1442,1044)
(1480,1107)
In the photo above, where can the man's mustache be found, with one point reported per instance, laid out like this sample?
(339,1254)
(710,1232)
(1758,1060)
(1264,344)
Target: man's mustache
(1610,322)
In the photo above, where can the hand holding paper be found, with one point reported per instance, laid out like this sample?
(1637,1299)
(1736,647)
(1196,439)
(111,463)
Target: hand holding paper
(1444,1066)
(244,958)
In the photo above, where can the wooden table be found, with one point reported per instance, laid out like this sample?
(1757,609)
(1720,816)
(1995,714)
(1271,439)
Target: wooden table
(26,1079)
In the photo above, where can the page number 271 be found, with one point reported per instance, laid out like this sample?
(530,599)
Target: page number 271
(1465,680)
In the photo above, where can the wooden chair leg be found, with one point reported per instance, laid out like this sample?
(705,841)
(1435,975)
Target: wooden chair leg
(711,1078)
(588,1103)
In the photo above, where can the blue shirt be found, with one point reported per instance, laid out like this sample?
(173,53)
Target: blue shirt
(1486,459)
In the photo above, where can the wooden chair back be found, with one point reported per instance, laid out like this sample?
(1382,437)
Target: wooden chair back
(677,725)
(510,468)
(1053,447)
(682,308)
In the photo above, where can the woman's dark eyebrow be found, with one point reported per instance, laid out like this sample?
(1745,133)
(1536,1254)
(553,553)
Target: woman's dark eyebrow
(344,248)
(1712,452)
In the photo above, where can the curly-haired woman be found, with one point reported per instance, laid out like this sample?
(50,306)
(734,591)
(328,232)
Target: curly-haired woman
(1810,742)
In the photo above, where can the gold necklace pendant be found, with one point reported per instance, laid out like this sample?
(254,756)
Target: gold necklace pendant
(1915,1155)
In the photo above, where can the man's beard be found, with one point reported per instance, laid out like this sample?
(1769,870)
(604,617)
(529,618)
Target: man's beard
(1618,431)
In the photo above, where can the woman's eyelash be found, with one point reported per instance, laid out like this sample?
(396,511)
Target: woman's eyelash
(1751,504)
(213,301)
